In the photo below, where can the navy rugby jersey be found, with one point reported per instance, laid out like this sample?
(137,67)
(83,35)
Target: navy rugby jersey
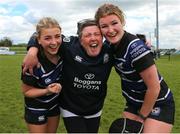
(131,57)
(84,77)
(42,77)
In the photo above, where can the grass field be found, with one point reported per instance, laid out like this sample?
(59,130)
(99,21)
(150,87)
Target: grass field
(11,98)
(18,50)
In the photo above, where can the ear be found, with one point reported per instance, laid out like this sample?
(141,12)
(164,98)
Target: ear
(39,41)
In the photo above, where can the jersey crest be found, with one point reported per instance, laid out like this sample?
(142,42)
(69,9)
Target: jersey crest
(66,39)
(78,58)
(106,58)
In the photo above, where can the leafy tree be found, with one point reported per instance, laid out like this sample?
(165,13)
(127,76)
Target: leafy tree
(7,42)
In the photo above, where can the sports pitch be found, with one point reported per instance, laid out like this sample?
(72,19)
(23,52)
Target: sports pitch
(11,98)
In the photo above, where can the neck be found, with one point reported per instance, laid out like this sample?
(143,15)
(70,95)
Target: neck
(53,58)
(117,43)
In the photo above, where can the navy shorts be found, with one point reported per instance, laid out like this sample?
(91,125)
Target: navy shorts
(40,117)
(164,112)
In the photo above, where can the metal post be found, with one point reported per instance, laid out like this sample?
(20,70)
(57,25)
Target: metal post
(157,30)
(150,38)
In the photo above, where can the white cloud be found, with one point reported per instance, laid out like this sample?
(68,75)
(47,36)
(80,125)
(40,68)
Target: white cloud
(140,17)
(3,11)
(16,27)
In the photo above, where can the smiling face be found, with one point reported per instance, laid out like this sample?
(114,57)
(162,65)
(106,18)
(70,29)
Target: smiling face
(112,28)
(91,40)
(110,19)
(50,40)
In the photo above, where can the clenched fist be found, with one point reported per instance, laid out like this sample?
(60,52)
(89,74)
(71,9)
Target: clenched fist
(54,88)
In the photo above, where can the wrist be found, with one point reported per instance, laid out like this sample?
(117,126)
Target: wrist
(33,51)
(47,91)
(142,116)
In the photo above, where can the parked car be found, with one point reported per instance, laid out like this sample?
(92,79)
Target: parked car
(6,51)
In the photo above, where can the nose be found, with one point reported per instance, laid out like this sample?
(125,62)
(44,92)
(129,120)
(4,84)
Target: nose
(93,37)
(53,41)
(110,29)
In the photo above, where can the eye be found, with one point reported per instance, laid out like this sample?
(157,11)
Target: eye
(114,22)
(87,35)
(97,34)
(103,26)
(47,38)
(57,36)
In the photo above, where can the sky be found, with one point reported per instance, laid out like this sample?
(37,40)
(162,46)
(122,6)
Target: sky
(18,18)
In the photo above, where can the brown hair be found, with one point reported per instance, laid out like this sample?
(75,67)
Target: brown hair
(85,23)
(109,9)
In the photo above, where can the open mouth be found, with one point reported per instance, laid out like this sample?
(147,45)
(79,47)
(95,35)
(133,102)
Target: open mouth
(94,45)
(53,46)
(112,34)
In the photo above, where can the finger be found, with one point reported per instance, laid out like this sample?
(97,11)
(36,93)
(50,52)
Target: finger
(38,65)
(24,69)
(60,86)
(52,85)
(57,90)
(31,70)
(23,64)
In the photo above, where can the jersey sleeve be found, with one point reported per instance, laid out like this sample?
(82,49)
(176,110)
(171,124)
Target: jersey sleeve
(140,55)
(33,41)
(29,79)
(67,41)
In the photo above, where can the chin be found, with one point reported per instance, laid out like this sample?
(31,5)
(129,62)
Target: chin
(94,54)
(53,53)
(113,41)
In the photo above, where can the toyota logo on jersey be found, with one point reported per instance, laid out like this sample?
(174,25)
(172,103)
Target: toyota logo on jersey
(89,76)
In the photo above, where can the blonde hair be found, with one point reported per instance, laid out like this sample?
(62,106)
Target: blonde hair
(46,22)
(109,9)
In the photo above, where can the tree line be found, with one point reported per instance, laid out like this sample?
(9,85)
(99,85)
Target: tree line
(7,42)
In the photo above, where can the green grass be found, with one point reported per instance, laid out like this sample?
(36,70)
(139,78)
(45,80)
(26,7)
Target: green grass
(11,101)
(11,98)
(18,50)
(170,70)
